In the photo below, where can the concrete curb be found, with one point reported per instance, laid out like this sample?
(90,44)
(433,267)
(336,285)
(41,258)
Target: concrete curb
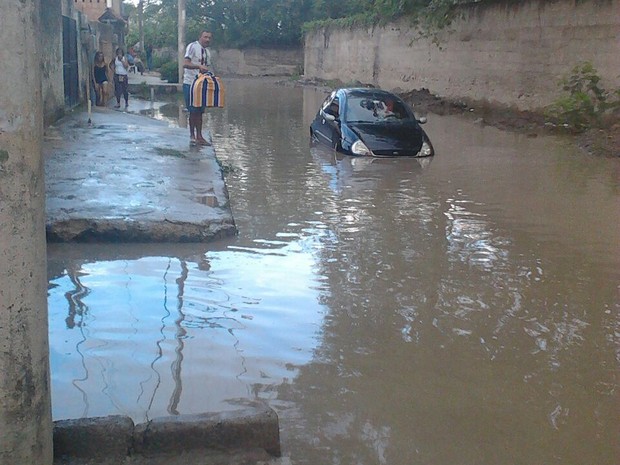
(117,436)
(244,429)
(94,437)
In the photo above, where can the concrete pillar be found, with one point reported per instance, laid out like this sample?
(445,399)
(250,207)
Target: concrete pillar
(181,38)
(25,405)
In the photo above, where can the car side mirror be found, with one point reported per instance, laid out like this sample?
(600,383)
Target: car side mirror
(327,116)
(422,119)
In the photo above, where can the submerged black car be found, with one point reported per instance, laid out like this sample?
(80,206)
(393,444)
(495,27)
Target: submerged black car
(370,122)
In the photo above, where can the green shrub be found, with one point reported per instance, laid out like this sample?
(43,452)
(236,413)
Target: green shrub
(159,61)
(586,103)
(170,72)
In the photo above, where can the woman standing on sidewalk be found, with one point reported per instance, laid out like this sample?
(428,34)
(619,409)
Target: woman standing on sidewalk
(120,66)
(100,72)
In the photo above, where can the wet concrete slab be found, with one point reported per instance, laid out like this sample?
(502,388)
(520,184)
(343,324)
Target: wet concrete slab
(123,177)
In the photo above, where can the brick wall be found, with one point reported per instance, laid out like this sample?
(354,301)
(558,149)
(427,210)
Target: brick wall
(93,9)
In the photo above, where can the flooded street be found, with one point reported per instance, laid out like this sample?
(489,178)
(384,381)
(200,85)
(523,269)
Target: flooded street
(457,310)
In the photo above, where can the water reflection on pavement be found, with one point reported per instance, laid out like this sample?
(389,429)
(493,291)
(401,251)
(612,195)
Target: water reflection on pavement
(460,310)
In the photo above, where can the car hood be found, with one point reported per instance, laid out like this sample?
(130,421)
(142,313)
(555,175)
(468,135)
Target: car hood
(401,137)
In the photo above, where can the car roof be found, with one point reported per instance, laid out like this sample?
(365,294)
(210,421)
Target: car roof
(366,91)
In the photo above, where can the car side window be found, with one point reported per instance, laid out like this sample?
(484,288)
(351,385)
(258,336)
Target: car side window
(332,108)
(331,105)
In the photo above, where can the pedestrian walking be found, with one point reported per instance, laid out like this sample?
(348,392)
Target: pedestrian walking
(120,66)
(100,74)
(197,60)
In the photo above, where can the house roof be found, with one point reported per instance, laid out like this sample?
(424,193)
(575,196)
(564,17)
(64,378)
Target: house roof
(110,16)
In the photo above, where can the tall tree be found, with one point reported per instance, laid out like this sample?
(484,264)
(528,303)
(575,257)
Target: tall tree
(267,23)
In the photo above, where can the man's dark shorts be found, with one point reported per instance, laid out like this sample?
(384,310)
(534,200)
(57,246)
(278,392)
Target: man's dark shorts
(186,92)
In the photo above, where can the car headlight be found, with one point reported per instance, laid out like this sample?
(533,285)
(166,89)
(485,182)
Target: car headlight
(359,148)
(426,150)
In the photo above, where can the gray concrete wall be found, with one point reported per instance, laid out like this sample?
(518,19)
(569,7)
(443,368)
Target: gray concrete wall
(51,66)
(511,54)
(258,62)
(25,405)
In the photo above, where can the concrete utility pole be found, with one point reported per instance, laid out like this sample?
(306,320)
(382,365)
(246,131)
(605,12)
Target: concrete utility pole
(25,403)
(141,27)
(181,38)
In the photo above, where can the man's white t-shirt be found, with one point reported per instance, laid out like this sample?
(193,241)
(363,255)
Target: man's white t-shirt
(198,55)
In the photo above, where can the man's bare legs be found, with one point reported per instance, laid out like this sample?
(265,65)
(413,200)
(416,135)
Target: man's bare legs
(192,126)
(195,128)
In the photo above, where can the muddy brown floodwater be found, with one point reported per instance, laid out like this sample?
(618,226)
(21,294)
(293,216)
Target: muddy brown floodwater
(459,310)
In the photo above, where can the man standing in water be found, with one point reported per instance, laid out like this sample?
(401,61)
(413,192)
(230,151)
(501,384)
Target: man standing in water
(197,60)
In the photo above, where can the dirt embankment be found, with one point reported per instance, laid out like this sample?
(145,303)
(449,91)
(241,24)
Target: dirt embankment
(598,141)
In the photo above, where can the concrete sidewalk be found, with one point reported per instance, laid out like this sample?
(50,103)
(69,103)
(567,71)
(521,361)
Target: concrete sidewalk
(129,178)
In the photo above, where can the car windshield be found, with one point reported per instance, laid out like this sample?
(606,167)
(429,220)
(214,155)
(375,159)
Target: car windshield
(376,109)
